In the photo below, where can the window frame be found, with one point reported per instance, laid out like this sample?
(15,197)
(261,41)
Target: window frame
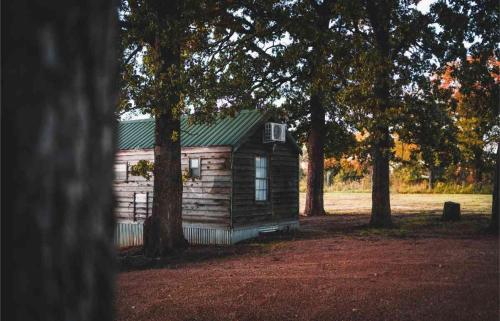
(190,168)
(266,179)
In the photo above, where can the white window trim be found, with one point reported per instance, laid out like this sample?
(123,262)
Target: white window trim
(265,179)
(199,167)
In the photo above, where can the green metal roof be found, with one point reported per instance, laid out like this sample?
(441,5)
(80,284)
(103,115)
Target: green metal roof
(135,134)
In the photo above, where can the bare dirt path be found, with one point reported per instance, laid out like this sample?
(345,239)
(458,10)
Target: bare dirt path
(334,269)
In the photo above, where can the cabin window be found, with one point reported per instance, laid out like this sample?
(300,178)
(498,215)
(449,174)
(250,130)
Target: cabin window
(121,171)
(261,178)
(194,167)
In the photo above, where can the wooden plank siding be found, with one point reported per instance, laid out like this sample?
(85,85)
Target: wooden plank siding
(283,194)
(222,197)
(204,201)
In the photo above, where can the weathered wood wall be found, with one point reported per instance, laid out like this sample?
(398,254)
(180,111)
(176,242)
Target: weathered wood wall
(283,196)
(205,200)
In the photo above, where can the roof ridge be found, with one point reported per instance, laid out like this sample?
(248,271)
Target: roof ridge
(243,111)
(140,120)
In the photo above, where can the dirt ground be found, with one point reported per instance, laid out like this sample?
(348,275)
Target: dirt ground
(334,268)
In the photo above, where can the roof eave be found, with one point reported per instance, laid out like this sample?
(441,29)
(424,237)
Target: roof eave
(251,131)
(265,118)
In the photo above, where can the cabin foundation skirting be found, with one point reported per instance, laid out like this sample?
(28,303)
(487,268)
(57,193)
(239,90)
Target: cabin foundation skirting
(130,233)
(196,234)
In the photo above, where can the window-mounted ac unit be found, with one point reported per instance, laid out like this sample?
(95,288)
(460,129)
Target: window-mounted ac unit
(274,132)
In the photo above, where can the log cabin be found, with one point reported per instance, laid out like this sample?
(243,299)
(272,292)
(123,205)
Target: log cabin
(241,178)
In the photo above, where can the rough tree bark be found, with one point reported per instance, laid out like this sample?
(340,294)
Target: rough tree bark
(163,230)
(495,207)
(316,156)
(382,141)
(316,135)
(58,139)
(381,206)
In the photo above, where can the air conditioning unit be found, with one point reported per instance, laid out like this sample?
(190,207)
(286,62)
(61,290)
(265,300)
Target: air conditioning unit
(274,132)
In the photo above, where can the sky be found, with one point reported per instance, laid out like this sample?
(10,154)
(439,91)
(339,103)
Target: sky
(424,5)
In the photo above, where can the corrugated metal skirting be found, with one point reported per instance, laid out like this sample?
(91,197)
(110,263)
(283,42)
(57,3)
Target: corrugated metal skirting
(196,235)
(128,234)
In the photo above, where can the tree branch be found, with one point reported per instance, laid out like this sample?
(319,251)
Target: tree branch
(132,54)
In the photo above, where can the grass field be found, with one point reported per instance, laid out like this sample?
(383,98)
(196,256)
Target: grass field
(413,215)
(360,203)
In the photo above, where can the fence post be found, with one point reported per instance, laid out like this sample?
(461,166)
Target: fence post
(126,172)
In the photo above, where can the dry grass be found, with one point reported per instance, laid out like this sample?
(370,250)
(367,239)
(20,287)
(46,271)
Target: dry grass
(360,203)
(413,215)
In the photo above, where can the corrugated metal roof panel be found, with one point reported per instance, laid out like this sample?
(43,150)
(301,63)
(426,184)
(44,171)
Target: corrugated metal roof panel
(135,134)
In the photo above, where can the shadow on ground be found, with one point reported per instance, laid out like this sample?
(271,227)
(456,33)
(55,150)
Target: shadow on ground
(409,225)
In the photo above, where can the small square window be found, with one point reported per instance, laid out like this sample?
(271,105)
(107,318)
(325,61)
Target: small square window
(194,167)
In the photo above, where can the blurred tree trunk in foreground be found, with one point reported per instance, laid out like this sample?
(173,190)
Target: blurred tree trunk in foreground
(59,62)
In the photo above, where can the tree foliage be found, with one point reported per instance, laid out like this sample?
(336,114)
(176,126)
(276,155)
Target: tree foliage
(427,122)
(394,44)
(288,57)
(472,37)
(147,82)
(329,68)
(158,38)
(143,168)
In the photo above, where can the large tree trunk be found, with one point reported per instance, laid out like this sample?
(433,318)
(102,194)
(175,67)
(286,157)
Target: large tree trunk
(381,151)
(315,166)
(381,205)
(58,139)
(495,208)
(163,230)
(317,129)
(382,142)
(378,13)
